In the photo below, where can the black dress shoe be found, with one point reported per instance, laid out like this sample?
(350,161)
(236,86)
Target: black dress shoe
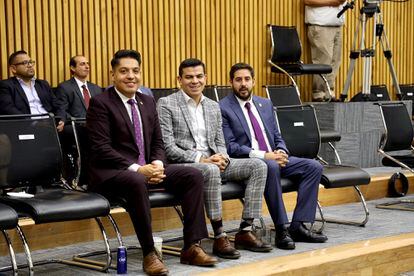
(303,234)
(283,239)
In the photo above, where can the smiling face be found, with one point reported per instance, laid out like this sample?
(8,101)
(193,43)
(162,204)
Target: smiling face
(127,76)
(243,84)
(192,81)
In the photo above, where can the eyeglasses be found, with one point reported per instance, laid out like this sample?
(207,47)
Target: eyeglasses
(26,62)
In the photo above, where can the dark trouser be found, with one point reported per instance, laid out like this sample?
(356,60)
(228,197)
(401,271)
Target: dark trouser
(307,173)
(184,182)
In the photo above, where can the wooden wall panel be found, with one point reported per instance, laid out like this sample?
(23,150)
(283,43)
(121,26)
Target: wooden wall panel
(220,32)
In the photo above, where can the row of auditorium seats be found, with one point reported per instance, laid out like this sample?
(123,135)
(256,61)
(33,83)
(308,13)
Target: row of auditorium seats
(32,159)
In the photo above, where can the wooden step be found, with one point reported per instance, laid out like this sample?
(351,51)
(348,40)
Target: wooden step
(381,256)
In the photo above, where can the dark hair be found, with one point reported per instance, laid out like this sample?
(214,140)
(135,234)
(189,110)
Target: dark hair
(240,66)
(72,61)
(190,62)
(13,56)
(125,54)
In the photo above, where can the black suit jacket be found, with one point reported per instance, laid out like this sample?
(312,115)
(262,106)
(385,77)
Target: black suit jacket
(71,97)
(112,139)
(13,100)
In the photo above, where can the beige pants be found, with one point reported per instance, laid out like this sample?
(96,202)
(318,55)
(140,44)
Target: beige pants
(326,46)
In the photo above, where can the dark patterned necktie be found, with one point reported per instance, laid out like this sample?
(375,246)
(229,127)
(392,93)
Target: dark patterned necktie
(137,128)
(86,96)
(256,128)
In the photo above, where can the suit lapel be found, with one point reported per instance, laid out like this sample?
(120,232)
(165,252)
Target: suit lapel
(78,92)
(208,122)
(124,114)
(21,92)
(235,106)
(186,113)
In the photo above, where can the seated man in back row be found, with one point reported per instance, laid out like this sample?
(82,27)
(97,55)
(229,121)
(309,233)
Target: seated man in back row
(192,134)
(250,130)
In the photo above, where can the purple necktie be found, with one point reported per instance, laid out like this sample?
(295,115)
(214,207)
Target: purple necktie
(256,128)
(137,129)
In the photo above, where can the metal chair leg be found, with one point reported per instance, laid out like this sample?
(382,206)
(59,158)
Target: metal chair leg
(11,253)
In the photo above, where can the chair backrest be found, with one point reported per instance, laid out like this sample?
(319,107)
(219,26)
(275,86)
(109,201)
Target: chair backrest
(34,156)
(222,91)
(381,92)
(286,46)
(210,92)
(282,95)
(300,130)
(407,93)
(398,127)
(163,92)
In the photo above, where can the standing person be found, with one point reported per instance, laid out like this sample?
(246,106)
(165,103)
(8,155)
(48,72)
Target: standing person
(251,131)
(325,39)
(76,92)
(127,155)
(25,94)
(192,134)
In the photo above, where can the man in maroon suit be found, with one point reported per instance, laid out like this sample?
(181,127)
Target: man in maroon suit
(127,156)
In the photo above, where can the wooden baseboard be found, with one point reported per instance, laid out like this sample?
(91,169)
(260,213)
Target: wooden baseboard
(50,235)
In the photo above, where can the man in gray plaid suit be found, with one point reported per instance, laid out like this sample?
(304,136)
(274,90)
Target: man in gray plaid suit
(192,133)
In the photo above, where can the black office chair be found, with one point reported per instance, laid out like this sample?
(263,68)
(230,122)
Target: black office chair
(300,131)
(407,94)
(286,95)
(163,92)
(8,220)
(286,52)
(398,136)
(210,92)
(35,165)
(222,91)
(377,93)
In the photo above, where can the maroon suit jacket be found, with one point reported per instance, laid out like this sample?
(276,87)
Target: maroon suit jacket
(112,139)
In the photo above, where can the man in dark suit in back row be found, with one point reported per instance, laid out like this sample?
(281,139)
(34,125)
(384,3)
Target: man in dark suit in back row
(24,94)
(127,157)
(76,92)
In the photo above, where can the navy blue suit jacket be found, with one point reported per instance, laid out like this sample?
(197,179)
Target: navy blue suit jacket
(236,130)
(13,100)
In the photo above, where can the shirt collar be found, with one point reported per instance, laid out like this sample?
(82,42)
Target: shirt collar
(124,98)
(242,103)
(21,81)
(80,83)
(188,99)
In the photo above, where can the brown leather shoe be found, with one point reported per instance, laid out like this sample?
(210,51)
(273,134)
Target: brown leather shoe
(223,249)
(248,241)
(153,265)
(195,255)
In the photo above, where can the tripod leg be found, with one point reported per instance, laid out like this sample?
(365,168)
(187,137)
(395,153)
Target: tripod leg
(354,55)
(388,55)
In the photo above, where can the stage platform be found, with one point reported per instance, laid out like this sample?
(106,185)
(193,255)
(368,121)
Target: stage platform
(386,244)
(384,247)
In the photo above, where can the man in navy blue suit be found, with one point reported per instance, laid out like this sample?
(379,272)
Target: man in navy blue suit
(250,130)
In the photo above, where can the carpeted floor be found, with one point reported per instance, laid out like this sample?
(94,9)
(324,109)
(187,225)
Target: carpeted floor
(381,223)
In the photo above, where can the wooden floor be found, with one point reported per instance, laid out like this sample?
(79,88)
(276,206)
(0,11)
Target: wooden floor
(59,234)
(382,256)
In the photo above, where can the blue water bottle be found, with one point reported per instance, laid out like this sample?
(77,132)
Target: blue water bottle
(121,265)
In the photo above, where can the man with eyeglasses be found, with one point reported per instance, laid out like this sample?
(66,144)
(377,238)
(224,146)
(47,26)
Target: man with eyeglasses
(24,94)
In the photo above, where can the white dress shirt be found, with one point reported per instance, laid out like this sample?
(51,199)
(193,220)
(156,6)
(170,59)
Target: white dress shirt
(199,126)
(35,104)
(80,84)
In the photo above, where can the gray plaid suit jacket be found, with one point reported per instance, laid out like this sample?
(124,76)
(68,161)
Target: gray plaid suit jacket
(178,133)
